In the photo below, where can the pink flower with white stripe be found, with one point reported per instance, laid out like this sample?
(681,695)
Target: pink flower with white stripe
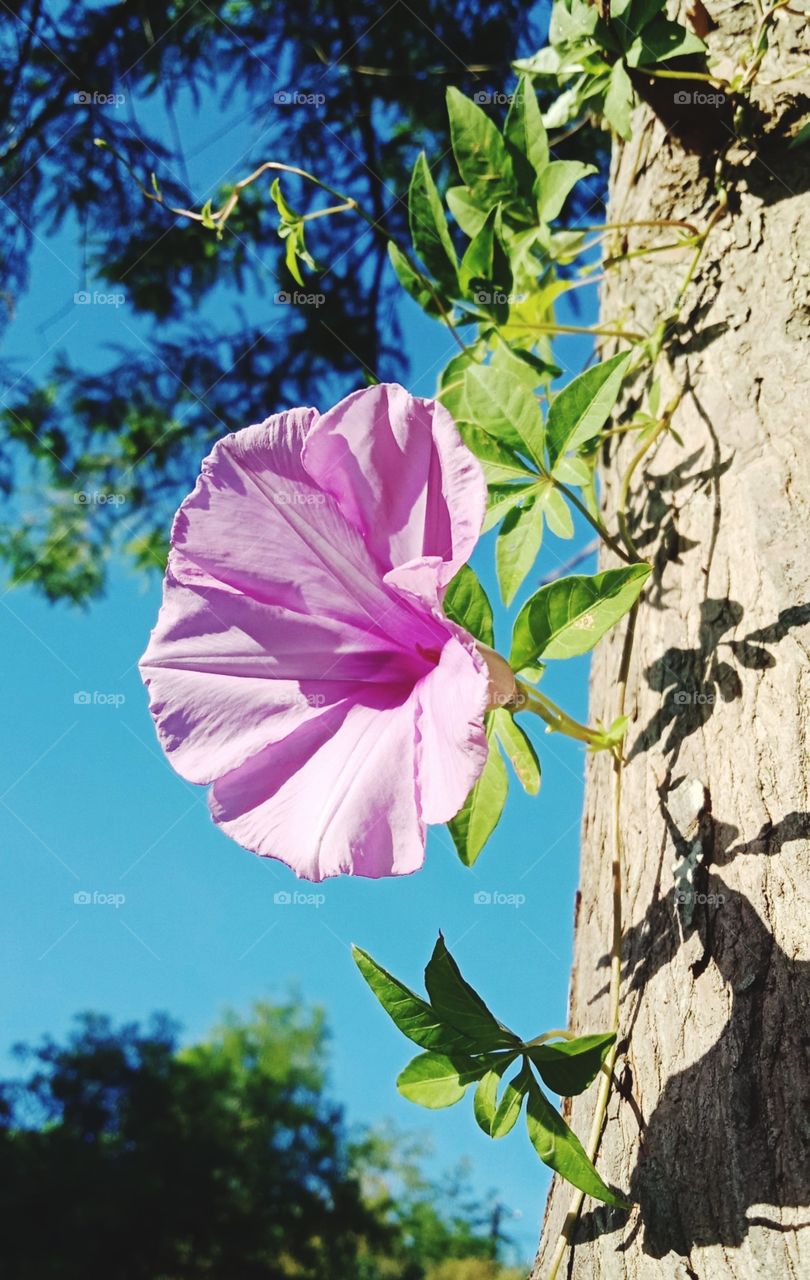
(301,662)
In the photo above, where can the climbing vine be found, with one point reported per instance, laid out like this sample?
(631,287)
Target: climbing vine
(490,259)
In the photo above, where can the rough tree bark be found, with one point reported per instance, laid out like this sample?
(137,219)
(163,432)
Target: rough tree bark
(709,1127)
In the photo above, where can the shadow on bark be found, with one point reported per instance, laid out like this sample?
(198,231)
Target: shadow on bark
(741,1111)
(695,681)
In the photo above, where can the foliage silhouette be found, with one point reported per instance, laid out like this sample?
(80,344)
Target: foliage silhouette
(121,1154)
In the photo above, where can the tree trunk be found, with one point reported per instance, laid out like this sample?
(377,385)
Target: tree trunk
(708,1127)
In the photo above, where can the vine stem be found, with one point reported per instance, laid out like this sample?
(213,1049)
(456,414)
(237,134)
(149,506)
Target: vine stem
(594,521)
(557,720)
(641,452)
(640,222)
(606,1078)
(617,860)
(217,218)
(591,331)
(559,1033)
(685,75)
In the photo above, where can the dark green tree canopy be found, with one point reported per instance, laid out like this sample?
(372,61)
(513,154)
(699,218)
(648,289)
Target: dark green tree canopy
(138,427)
(123,1154)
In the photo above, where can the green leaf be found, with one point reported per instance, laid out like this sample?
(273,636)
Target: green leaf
(570,1066)
(478,816)
(485,1102)
(555,183)
(480,152)
(619,100)
(632,16)
(460,1006)
(285,210)
(581,409)
(523,365)
(499,462)
(518,546)
(466,210)
(485,272)
(408,1011)
(557,512)
(802,137)
(466,602)
(291,230)
(526,136)
(662,40)
(612,736)
(433,1080)
(570,469)
(511,1103)
(477,261)
(560,1148)
(518,747)
(497,1119)
(506,408)
(569,616)
(501,498)
(413,284)
(429,232)
(451,382)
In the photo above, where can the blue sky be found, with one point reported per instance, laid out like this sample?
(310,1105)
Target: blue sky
(185,920)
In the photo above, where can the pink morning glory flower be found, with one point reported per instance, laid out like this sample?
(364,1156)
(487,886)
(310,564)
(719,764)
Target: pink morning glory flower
(301,662)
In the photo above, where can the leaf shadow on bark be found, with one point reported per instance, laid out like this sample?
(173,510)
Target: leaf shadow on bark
(729,1132)
(695,681)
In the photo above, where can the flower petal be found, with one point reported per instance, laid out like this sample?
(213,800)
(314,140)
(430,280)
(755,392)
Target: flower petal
(452,743)
(337,796)
(228,674)
(272,605)
(402,476)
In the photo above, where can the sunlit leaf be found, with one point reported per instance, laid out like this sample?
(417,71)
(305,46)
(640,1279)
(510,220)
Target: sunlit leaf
(560,1148)
(568,617)
(478,817)
(466,602)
